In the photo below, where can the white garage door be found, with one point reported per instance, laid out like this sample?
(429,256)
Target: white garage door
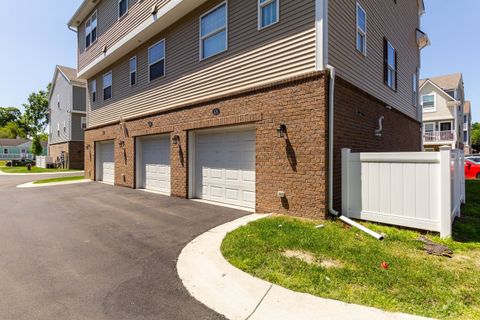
(105,162)
(153,163)
(225,166)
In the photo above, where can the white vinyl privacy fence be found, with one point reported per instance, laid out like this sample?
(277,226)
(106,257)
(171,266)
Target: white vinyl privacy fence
(421,190)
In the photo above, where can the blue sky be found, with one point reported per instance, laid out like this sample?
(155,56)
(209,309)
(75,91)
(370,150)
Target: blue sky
(38,39)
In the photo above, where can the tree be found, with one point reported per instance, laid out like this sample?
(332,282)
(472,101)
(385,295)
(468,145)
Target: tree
(35,118)
(476,135)
(12,130)
(8,114)
(36,148)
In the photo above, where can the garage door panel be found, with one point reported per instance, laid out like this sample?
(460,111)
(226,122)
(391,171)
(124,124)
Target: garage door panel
(225,166)
(154,163)
(105,158)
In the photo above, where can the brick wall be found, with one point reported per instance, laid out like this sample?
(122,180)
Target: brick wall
(356,119)
(296,165)
(74,151)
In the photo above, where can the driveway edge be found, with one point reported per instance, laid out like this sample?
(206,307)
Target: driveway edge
(213,281)
(52,184)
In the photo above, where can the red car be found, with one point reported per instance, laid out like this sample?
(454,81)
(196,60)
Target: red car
(472,170)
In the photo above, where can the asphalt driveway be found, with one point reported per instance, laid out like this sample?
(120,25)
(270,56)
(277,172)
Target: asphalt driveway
(93,251)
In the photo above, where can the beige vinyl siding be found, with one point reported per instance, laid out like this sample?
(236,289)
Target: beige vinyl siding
(442,110)
(253,58)
(110,29)
(396,22)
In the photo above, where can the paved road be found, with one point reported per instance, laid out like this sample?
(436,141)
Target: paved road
(93,251)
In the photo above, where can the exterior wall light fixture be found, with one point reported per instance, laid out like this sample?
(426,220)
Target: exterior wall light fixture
(175,139)
(281,131)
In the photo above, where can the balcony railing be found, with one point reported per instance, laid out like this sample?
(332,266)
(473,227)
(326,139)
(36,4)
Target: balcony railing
(438,136)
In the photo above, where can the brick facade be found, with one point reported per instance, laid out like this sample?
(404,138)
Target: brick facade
(74,152)
(356,119)
(296,165)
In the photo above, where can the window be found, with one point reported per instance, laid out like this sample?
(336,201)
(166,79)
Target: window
(465,118)
(58,129)
(91,30)
(122,7)
(64,126)
(94,90)
(428,101)
(107,86)
(390,65)
(213,32)
(5,151)
(83,122)
(451,93)
(429,127)
(133,71)
(58,101)
(268,13)
(465,136)
(156,60)
(361,29)
(415,89)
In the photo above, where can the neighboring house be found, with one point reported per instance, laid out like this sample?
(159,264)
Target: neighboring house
(467,127)
(67,106)
(443,100)
(17,149)
(227,101)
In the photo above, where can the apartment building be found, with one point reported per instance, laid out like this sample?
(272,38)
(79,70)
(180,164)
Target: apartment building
(67,112)
(443,102)
(228,101)
(467,127)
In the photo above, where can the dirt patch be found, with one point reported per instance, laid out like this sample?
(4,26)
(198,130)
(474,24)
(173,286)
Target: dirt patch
(309,258)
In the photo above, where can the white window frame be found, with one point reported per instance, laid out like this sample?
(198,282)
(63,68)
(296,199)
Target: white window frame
(434,126)
(135,71)
(260,7)
(89,21)
(83,123)
(121,16)
(164,60)
(94,90)
(360,31)
(103,85)
(213,32)
(415,89)
(390,68)
(430,109)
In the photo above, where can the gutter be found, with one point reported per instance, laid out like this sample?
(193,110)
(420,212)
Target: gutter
(338,215)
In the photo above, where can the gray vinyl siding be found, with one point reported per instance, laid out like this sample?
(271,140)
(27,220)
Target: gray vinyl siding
(79,99)
(77,131)
(253,58)
(60,116)
(396,22)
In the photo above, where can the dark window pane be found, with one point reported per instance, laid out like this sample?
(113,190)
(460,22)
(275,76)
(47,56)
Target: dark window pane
(133,78)
(94,35)
(122,7)
(157,70)
(94,96)
(107,93)
(87,41)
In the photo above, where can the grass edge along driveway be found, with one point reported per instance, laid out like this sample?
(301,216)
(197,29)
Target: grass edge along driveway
(33,170)
(345,264)
(61,179)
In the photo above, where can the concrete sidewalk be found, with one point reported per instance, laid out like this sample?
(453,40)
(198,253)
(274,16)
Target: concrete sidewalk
(239,296)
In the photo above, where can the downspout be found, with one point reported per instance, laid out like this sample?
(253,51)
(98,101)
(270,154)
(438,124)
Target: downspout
(338,215)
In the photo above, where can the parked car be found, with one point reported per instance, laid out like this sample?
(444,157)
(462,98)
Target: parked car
(473,157)
(472,170)
(20,163)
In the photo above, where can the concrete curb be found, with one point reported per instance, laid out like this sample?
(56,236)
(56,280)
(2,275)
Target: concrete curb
(40,173)
(53,184)
(239,296)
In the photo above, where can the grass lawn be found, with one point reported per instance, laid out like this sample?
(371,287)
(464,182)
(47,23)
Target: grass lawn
(3,163)
(34,170)
(345,264)
(61,179)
